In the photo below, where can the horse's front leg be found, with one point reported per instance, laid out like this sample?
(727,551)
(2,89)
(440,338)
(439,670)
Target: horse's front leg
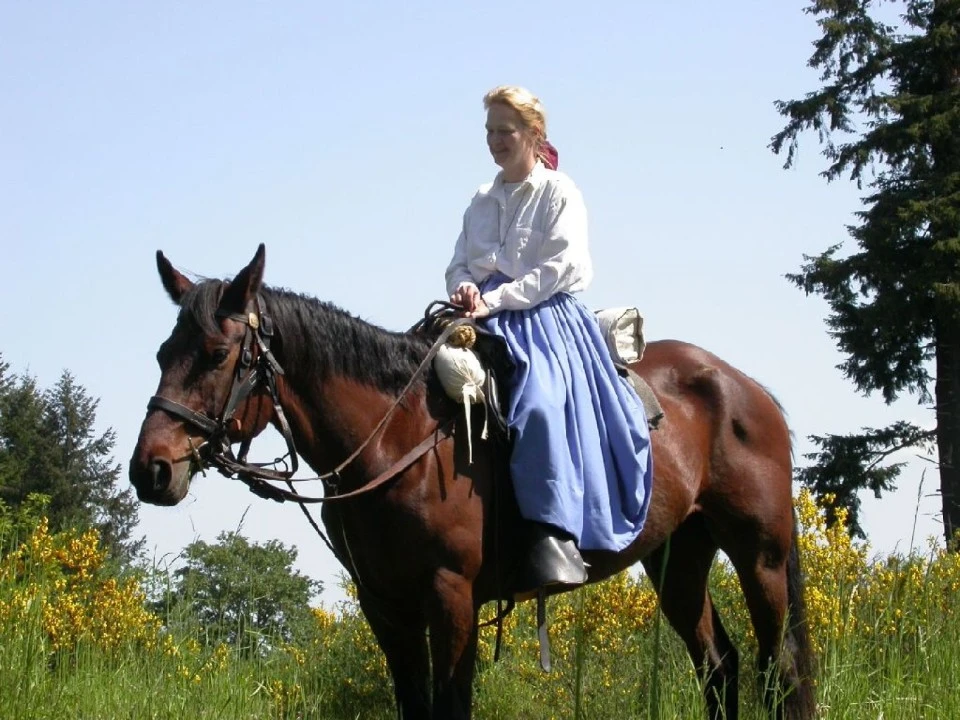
(453,645)
(402,638)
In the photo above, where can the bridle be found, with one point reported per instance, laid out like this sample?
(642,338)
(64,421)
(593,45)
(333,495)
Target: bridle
(258,367)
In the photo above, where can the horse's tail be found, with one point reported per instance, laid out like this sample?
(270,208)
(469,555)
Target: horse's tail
(803,703)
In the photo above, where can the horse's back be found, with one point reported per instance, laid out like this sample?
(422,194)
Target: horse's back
(687,375)
(721,449)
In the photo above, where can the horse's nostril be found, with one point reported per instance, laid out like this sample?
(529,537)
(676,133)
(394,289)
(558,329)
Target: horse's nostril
(160,472)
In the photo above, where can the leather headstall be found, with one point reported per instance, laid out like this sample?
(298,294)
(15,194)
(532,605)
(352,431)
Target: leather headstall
(256,366)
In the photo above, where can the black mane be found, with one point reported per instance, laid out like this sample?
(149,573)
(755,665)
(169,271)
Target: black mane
(320,339)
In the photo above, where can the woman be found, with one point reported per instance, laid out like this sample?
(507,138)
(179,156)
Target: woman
(581,463)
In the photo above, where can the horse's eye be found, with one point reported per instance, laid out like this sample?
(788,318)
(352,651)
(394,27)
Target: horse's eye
(219,356)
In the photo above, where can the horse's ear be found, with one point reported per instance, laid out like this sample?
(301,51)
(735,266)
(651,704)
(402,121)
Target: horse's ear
(245,285)
(174,283)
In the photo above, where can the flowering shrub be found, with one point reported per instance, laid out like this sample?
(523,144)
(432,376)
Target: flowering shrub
(60,579)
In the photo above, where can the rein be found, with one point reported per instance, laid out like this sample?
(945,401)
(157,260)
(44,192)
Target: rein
(262,368)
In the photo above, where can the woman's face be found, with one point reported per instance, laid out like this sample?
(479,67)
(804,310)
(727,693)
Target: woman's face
(512,145)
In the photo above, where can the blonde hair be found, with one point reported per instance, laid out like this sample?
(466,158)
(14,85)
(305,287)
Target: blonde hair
(527,105)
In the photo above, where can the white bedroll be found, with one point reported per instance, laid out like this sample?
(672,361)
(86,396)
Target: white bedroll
(462,376)
(622,328)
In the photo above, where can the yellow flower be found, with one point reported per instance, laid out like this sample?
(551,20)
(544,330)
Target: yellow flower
(62,576)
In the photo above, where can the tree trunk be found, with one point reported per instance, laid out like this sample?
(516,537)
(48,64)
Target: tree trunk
(946,159)
(948,427)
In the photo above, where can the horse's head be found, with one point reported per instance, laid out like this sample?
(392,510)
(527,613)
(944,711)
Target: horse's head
(208,396)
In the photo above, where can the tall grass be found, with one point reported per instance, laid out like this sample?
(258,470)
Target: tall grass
(77,643)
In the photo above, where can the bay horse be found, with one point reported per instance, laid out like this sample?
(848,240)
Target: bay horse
(422,545)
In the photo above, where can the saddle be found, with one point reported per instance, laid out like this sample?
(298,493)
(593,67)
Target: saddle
(493,355)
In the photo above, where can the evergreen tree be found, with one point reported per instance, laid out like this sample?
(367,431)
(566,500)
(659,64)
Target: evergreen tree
(48,445)
(26,452)
(888,117)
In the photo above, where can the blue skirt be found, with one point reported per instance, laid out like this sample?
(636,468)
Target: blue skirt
(582,459)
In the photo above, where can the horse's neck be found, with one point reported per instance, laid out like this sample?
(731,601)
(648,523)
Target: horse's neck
(330,425)
(332,412)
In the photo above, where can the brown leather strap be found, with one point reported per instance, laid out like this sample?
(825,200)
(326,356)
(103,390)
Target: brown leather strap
(262,488)
(158,402)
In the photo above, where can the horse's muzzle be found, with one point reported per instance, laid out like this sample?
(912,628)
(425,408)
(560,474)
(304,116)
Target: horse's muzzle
(159,481)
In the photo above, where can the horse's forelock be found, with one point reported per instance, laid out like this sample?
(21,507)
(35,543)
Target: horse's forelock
(200,303)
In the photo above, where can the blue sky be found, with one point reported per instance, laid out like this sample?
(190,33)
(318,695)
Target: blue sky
(349,137)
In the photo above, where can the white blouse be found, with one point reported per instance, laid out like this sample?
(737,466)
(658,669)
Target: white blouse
(535,234)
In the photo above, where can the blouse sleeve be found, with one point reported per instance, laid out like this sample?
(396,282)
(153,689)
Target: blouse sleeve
(562,262)
(458,271)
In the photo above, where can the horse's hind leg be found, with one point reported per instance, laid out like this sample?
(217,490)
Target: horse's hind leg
(686,602)
(404,643)
(769,572)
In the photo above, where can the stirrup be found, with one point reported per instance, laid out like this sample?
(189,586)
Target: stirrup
(552,559)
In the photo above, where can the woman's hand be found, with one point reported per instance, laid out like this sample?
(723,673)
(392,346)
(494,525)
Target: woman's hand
(467,296)
(480,309)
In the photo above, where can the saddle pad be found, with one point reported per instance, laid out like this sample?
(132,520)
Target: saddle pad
(651,405)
